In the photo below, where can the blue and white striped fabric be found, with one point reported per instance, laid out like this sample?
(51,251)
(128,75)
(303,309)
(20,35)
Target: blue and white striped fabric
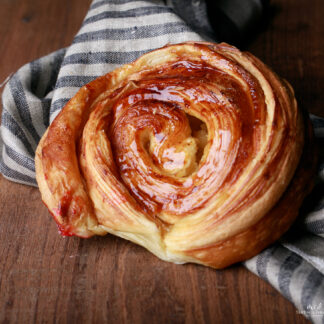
(115,32)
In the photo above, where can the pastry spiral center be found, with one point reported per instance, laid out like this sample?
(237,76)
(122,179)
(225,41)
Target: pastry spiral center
(163,132)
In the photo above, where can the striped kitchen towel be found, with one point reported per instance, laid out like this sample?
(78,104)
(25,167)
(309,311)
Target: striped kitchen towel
(115,32)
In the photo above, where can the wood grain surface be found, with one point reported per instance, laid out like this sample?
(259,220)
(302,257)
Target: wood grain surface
(46,278)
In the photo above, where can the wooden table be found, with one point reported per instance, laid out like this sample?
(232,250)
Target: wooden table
(47,278)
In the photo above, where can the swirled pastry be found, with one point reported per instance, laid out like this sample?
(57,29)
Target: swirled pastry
(192,151)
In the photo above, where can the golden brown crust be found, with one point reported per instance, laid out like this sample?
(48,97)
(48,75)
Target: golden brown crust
(189,151)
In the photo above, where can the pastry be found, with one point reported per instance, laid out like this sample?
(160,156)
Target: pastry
(195,151)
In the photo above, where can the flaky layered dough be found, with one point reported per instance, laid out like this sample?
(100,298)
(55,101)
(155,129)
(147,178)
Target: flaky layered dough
(191,151)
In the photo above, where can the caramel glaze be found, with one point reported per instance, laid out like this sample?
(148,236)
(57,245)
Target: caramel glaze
(207,138)
(235,119)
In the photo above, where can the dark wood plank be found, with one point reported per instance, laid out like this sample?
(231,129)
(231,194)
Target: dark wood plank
(293,45)
(47,278)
